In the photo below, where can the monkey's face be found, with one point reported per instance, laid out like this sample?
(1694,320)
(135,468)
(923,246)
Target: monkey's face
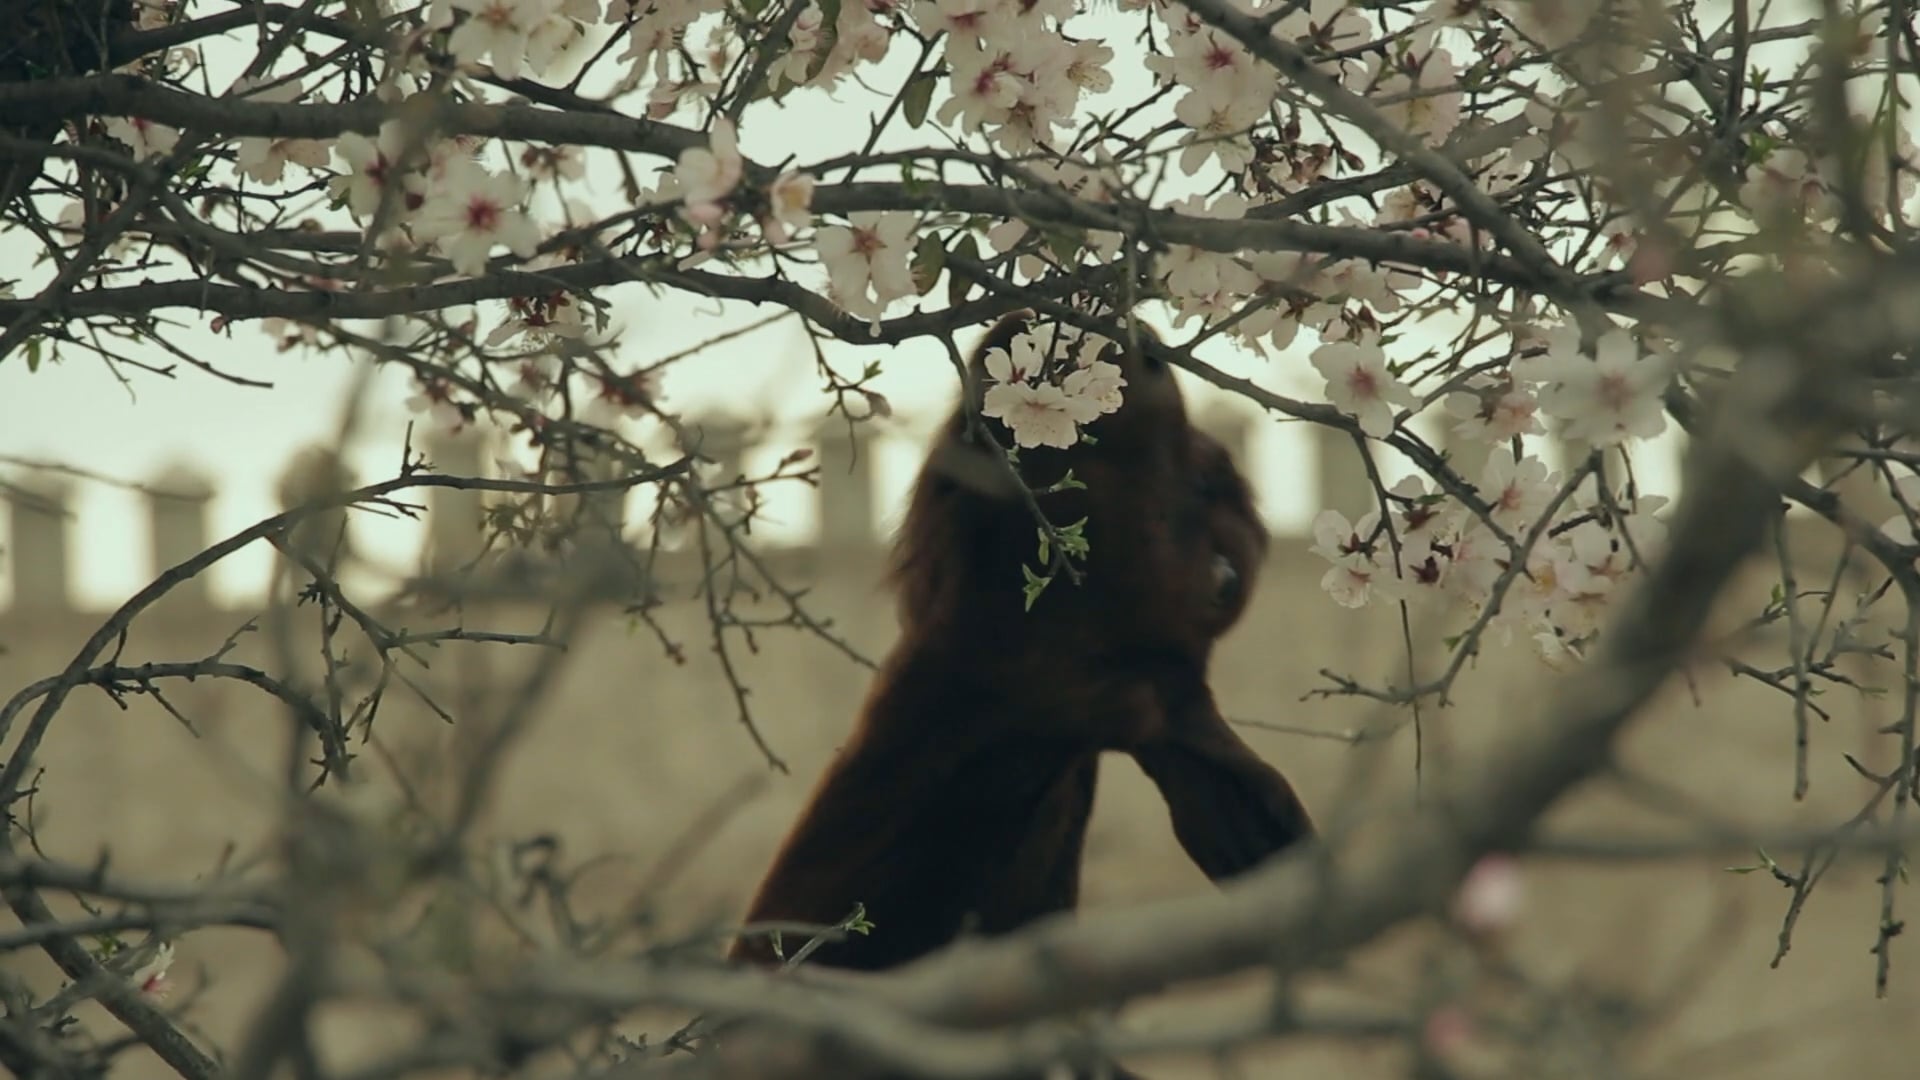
(1234,532)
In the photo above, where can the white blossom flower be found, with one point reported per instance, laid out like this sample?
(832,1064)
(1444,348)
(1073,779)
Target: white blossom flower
(790,206)
(151,977)
(874,249)
(371,166)
(497,28)
(147,138)
(475,211)
(1040,415)
(1349,547)
(965,22)
(1020,361)
(1359,384)
(1097,383)
(435,399)
(1494,413)
(710,173)
(985,90)
(1088,67)
(1603,399)
(1433,109)
(264,158)
(1517,491)
(554,162)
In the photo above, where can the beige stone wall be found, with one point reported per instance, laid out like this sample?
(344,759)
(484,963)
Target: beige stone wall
(631,751)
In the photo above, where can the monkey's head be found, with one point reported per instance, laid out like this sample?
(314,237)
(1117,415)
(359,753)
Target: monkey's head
(1151,407)
(1175,543)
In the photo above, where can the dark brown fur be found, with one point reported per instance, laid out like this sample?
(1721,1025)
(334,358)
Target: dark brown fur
(961,800)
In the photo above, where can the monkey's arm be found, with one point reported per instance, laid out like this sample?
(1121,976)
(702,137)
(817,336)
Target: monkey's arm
(1231,810)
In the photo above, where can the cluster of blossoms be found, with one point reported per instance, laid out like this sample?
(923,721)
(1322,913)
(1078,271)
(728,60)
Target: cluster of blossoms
(1013,74)
(448,199)
(513,36)
(1015,79)
(1049,381)
(1432,546)
(1433,549)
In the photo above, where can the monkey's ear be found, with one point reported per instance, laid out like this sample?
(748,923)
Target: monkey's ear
(1231,810)
(999,336)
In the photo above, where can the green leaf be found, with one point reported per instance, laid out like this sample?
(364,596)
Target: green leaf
(917,97)
(959,285)
(1066,483)
(929,262)
(1072,539)
(1046,547)
(33,354)
(1034,586)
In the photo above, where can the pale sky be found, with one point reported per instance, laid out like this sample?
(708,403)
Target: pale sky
(78,413)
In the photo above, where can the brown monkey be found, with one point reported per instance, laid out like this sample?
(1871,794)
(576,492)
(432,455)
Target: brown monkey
(963,796)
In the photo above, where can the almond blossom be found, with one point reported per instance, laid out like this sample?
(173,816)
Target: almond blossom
(1030,395)
(803,48)
(1429,108)
(371,166)
(1783,186)
(1349,547)
(150,978)
(265,158)
(499,29)
(475,211)
(965,22)
(789,206)
(1359,384)
(1517,491)
(1037,415)
(875,249)
(435,399)
(1490,411)
(985,90)
(709,173)
(1602,399)
(146,138)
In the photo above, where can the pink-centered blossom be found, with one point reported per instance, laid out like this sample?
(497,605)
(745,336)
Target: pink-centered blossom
(371,166)
(1041,415)
(1494,412)
(1429,105)
(1604,398)
(1517,491)
(1359,384)
(499,29)
(151,977)
(1350,547)
(146,138)
(874,250)
(473,213)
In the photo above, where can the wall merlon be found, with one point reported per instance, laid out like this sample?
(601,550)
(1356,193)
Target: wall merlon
(178,502)
(41,515)
(848,516)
